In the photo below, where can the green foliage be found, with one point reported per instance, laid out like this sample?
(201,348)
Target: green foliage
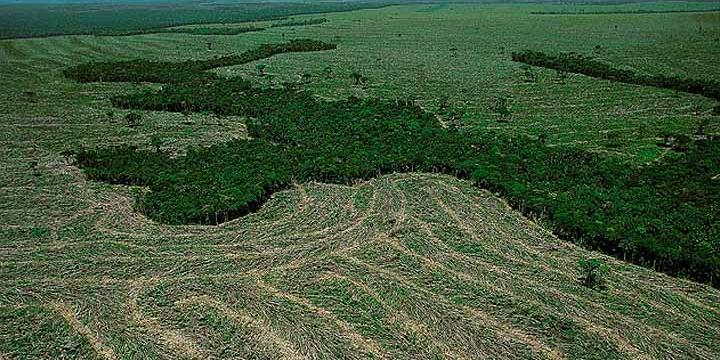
(176,72)
(593,273)
(579,64)
(662,213)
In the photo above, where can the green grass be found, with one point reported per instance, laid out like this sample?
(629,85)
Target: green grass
(463,275)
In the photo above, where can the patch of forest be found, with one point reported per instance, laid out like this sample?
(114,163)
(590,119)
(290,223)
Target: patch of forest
(191,70)
(580,64)
(663,214)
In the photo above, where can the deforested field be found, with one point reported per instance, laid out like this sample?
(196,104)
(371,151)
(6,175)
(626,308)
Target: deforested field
(415,181)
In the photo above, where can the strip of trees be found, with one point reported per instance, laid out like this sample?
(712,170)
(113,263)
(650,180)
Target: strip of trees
(579,64)
(300,22)
(186,71)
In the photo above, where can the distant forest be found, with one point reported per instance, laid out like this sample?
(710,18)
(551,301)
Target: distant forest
(40,20)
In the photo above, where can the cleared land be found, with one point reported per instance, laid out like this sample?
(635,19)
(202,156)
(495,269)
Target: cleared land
(402,266)
(406,266)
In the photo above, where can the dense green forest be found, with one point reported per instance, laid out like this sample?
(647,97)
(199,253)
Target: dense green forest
(664,214)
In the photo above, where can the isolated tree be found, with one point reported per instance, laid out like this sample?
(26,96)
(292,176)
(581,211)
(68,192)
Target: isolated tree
(593,273)
(133,119)
(357,78)
(528,73)
(542,138)
(260,67)
(156,142)
(501,106)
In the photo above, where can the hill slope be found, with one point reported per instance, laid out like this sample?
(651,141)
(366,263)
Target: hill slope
(403,266)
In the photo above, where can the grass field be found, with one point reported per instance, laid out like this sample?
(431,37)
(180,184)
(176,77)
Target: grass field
(402,266)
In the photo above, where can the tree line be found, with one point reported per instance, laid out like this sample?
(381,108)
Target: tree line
(300,22)
(579,64)
(178,72)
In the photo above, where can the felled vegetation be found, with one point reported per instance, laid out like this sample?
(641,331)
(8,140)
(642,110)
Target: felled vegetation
(579,64)
(662,215)
(175,72)
(300,22)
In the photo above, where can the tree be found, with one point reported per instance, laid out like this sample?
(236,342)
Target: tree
(133,119)
(592,273)
(501,106)
(357,78)
(260,67)
(156,142)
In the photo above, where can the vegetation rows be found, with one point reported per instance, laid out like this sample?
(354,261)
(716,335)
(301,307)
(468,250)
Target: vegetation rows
(662,214)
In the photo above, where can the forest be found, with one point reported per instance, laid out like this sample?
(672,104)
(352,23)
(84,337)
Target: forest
(22,20)
(662,214)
